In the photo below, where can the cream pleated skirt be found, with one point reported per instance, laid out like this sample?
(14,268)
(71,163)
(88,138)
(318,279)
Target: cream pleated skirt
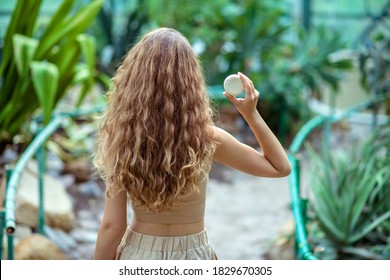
(138,246)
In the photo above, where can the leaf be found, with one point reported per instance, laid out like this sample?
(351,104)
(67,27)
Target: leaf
(332,230)
(104,80)
(332,80)
(56,149)
(58,18)
(24,50)
(86,87)
(67,56)
(45,80)
(368,186)
(82,74)
(364,231)
(88,49)
(17,25)
(72,26)
(57,46)
(361,253)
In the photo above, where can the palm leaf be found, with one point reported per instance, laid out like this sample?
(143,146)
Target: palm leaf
(45,80)
(88,48)
(17,25)
(58,18)
(71,26)
(24,50)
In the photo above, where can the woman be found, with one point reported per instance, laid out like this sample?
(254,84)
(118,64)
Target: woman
(156,145)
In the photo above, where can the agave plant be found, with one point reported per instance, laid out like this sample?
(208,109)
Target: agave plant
(351,195)
(38,68)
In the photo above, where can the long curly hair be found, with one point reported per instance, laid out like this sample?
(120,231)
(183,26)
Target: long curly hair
(155,140)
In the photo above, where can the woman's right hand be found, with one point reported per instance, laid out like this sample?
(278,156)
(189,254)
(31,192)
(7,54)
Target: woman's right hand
(246,106)
(272,161)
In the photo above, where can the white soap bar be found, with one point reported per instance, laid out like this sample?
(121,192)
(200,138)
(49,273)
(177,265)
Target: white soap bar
(233,84)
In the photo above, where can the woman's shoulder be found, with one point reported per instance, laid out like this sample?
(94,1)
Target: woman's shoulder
(219,134)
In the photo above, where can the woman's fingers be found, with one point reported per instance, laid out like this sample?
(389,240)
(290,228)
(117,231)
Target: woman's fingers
(232,98)
(248,85)
(248,104)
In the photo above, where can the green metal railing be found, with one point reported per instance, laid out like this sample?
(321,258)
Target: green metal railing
(13,175)
(298,204)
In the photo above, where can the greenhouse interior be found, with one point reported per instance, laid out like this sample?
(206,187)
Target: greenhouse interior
(320,70)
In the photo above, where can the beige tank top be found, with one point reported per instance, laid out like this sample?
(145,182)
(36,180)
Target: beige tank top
(190,210)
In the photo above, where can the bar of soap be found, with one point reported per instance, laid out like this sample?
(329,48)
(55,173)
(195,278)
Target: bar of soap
(233,84)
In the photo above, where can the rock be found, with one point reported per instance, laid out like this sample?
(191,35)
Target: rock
(84,236)
(85,214)
(88,224)
(57,202)
(8,156)
(67,180)
(54,164)
(84,252)
(90,189)
(22,231)
(63,240)
(283,247)
(37,247)
(75,255)
(81,169)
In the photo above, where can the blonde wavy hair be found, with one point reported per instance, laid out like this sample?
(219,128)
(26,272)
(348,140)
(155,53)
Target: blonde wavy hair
(155,139)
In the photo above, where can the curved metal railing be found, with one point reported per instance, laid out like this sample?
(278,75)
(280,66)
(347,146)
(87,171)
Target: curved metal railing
(8,219)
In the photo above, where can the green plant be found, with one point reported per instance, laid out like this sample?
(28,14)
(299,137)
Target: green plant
(39,65)
(119,25)
(351,193)
(298,70)
(375,61)
(285,70)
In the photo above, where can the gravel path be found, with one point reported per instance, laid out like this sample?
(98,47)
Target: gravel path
(243,217)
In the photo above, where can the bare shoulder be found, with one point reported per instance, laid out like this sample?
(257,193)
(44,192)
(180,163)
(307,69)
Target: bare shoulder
(219,134)
(225,141)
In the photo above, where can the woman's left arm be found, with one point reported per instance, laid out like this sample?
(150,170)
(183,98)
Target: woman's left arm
(112,227)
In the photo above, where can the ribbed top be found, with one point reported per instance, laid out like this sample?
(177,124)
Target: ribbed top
(190,210)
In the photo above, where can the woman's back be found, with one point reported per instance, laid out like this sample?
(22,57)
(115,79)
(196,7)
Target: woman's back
(156,145)
(153,141)
(184,218)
